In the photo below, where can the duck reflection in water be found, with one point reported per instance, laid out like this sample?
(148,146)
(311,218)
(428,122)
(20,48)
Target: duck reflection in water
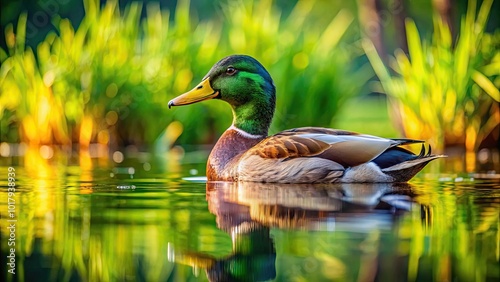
(247,211)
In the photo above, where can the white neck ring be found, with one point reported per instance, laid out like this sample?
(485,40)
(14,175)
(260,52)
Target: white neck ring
(244,133)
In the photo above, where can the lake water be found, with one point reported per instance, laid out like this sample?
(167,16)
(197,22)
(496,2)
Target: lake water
(158,220)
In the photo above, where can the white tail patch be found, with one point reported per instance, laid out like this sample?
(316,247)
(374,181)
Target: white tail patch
(367,172)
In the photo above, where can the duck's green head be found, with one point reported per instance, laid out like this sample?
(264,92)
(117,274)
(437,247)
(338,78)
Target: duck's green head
(245,84)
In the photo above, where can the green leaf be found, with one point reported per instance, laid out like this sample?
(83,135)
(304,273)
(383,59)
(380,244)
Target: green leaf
(486,85)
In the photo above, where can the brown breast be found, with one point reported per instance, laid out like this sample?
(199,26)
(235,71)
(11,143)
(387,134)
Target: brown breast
(224,156)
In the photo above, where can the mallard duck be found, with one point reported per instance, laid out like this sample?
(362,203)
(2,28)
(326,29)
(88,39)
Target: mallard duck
(245,152)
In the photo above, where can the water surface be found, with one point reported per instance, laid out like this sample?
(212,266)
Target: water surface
(138,221)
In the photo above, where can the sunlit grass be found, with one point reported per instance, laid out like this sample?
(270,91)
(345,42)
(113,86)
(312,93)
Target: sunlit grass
(442,91)
(108,81)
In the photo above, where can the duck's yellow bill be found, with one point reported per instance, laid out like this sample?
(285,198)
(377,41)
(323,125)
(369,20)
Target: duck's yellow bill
(201,92)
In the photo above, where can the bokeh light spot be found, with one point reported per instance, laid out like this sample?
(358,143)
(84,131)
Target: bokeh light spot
(4,149)
(118,157)
(300,61)
(111,90)
(111,117)
(46,152)
(103,137)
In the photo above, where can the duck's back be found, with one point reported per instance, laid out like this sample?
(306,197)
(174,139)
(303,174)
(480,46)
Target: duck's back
(322,155)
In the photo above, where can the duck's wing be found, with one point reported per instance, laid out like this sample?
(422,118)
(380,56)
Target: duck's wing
(343,147)
(312,154)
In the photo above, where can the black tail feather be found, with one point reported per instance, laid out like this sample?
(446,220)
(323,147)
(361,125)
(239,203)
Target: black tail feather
(404,170)
(422,152)
(395,155)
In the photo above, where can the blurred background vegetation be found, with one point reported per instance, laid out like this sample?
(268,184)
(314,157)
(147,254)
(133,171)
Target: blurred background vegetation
(79,73)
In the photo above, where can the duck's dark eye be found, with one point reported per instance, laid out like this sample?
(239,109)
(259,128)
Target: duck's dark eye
(230,70)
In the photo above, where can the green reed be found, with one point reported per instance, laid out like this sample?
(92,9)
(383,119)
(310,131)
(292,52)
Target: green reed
(443,91)
(109,80)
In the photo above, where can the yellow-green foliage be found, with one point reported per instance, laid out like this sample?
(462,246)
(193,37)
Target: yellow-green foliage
(109,80)
(446,92)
